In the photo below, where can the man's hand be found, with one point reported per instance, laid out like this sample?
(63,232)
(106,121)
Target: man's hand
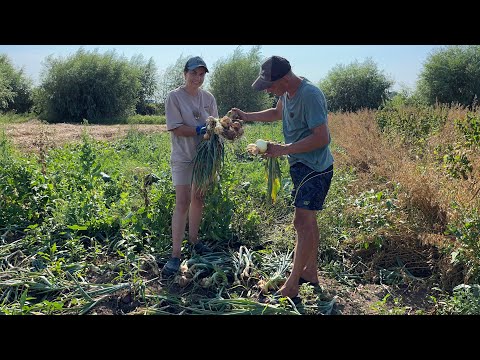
(275,150)
(238,114)
(201,129)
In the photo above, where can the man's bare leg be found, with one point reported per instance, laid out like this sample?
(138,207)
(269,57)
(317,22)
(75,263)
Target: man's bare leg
(305,222)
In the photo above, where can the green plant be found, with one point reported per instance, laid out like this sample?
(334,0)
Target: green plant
(383,308)
(465,300)
(456,161)
(355,86)
(89,85)
(467,232)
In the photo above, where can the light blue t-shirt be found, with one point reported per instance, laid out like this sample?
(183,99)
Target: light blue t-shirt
(305,111)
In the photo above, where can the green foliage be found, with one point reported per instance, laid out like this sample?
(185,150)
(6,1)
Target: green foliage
(12,117)
(88,85)
(465,300)
(147,73)
(372,212)
(231,82)
(451,75)
(470,129)
(144,108)
(208,162)
(455,161)
(466,230)
(335,225)
(25,193)
(383,308)
(403,98)
(147,119)
(455,158)
(413,125)
(172,78)
(355,86)
(15,88)
(218,213)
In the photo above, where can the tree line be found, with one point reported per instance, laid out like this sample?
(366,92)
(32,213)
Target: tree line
(100,87)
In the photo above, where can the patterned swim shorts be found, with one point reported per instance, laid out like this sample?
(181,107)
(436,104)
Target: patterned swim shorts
(310,186)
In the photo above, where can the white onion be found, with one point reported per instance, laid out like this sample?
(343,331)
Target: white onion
(262,145)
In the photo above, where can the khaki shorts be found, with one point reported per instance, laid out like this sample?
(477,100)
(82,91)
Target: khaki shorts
(182,173)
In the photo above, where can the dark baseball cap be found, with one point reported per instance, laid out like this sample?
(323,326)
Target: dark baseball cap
(274,68)
(194,63)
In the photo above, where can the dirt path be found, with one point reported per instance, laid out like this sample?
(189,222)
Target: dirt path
(31,135)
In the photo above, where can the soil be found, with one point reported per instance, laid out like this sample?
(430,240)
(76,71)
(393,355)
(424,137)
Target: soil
(31,135)
(349,300)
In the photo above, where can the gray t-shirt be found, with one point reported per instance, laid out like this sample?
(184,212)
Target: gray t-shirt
(181,108)
(305,111)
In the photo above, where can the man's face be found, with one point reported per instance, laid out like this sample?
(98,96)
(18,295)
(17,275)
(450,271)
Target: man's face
(278,87)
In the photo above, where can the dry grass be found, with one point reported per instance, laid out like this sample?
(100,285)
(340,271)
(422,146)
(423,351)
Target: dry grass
(426,193)
(426,186)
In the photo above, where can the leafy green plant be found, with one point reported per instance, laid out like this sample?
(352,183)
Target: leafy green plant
(469,127)
(373,211)
(412,124)
(88,85)
(456,161)
(383,308)
(451,75)
(467,232)
(465,300)
(355,86)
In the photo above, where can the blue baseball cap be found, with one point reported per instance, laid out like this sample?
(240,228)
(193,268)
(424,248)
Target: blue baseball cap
(194,63)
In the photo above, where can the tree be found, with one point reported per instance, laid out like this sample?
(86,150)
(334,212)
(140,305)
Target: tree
(451,75)
(15,88)
(147,73)
(88,85)
(355,86)
(231,82)
(171,79)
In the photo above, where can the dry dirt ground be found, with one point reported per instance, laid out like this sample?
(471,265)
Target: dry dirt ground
(350,300)
(29,136)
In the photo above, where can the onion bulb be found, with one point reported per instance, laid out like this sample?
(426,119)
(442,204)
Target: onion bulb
(262,145)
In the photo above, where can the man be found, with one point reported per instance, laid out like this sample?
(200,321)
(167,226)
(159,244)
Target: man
(303,110)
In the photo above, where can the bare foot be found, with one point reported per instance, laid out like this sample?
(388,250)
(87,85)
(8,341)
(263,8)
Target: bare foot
(309,277)
(288,290)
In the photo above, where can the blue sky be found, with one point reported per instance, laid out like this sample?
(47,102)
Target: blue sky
(402,63)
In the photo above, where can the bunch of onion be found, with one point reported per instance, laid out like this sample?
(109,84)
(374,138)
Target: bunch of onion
(226,127)
(273,174)
(209,159)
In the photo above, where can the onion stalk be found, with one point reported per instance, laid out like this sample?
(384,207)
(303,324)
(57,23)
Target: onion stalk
(273,174)
(210,155)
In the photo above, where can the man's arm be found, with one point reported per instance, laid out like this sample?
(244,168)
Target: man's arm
(319,138)
(268,115)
